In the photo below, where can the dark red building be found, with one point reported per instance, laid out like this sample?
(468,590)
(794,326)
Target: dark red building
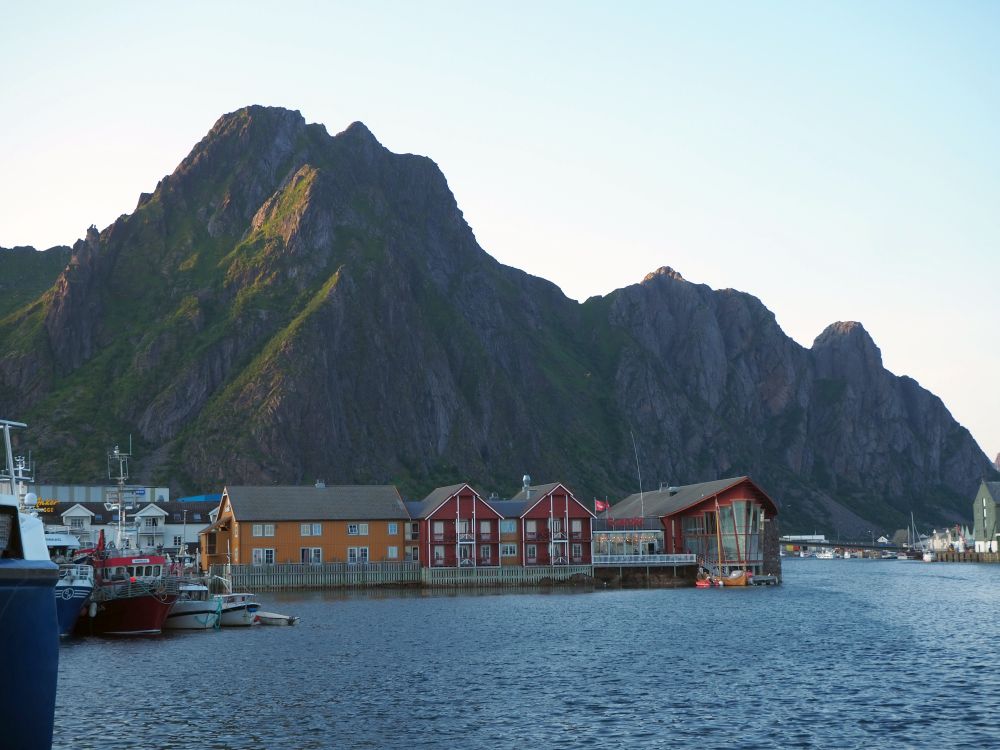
(556,528)
(729,524)
(456,528)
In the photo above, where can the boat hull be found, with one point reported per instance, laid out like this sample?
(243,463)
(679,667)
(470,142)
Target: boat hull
(196,615)
(134,615)
(70,601)
(238,610)
(30,641)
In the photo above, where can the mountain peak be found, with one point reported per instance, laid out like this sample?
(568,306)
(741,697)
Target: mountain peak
(847,345)
(663,271)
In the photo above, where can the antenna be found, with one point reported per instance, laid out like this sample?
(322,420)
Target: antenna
(119,460)
(642,502)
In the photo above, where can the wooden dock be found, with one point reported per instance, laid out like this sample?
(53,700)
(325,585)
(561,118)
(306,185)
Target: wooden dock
(343,575)
(972,557)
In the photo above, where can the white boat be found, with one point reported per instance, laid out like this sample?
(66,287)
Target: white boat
(929,556)
(273,618)
(194,609)
(847,554)
(825,554)
(238,610)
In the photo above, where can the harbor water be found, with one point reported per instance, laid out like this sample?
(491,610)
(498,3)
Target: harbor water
(846,654)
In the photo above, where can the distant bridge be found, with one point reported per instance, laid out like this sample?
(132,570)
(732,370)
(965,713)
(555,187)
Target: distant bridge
(848,545)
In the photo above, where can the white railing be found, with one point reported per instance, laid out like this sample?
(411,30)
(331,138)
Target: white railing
(644,560)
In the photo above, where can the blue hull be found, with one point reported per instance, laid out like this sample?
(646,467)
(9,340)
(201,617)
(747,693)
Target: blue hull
(70,600)
(29,653)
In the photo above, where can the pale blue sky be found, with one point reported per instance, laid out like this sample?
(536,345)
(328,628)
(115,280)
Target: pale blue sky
(840,161)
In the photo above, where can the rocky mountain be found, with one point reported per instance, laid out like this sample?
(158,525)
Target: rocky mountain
(290,305)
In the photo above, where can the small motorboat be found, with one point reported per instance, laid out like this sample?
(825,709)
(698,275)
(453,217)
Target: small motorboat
(273,618)
(238,610)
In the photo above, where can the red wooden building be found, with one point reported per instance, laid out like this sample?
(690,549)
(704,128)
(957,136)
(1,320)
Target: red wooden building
(556,528)
(456,528)
(732,515)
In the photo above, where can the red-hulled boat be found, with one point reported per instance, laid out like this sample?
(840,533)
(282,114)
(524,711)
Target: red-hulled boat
(133,590)
(132,595)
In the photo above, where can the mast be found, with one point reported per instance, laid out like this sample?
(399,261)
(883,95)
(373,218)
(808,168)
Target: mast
(118,461)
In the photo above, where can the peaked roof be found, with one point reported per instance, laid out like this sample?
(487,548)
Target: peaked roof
(537,491)
(994,489)
(662,503)
(424,508)
(349,502)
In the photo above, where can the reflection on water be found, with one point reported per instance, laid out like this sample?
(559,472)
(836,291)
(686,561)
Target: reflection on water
(847,653)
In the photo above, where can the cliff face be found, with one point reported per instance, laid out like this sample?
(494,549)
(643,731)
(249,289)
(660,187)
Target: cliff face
(289,305)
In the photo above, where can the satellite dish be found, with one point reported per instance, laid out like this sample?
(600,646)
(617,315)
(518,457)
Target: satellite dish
(31,500)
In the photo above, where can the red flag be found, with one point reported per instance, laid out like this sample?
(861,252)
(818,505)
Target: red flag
(600,505)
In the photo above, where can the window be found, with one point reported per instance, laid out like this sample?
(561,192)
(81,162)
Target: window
(485,553)
(311,529)
(311,555)
(392,552)
(576,551)
(508,550)
(178,541)
(576,526)
(439,554)
(357,529)
(263,556)
(413,554)
(76,523)
(197,517)
(263,529)
(177,517)
(98,517)
(508,526)
(210,543)
(151,522)
(531,529)
(393,528)
(531,551)
(357,555)
(485,529)
(438,530)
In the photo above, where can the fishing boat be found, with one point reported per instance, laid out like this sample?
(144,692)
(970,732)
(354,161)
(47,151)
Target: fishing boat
(133,589)
(825,554)
(28,627)
(194,609)
(72,593)
(237,610)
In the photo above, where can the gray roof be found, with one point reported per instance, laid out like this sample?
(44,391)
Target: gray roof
(994,489)
(537,491)
(311,503)
(430,503)
(509,508)
(663,503)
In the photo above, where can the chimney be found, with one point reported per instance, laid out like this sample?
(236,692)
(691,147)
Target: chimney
(526,486)
(672,490)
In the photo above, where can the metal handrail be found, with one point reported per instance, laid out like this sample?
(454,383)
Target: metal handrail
(681,559)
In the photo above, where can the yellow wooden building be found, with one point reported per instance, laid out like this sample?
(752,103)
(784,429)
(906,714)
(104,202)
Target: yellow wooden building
(311,524)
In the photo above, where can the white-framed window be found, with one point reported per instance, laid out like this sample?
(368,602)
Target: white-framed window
(486,553)
(485,528)
(311,555)
(531,529)
(438,529)
(392,552)
(357,529)
(393,528)
(413,554)
(76,523)
(150,523)
(576,525)
(508,550)
(311,529)
(263,556)
(263,529)
(508,526)
(531,552)
(555,525)
(178,541)
(357,555)
(439,554)
(576,550)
